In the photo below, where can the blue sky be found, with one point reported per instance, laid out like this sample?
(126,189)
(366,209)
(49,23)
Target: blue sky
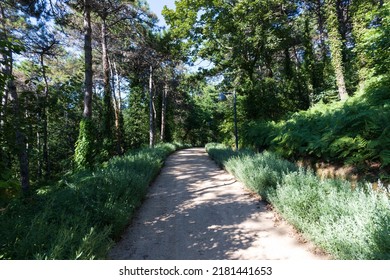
(156,6)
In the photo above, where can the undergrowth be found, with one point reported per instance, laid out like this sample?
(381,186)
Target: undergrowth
(354,132)
(82,215)
(346,222)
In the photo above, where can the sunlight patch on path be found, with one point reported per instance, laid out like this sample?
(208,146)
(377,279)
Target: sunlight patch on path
(195,210)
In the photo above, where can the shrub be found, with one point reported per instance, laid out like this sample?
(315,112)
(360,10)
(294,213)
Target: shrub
(260,172)
(355,132)
(347,222)
(83,157)
(80,216)
(219,153)
(344,222)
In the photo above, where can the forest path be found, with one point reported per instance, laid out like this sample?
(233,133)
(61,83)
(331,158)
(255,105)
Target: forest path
(195,210)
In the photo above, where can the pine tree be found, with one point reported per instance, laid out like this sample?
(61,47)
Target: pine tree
(336,47)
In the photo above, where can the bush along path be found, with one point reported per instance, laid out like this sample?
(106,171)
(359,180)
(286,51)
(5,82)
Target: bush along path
(82,215)
(195,210)
(347,222)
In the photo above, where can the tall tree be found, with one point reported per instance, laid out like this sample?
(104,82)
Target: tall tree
(164,110)
(371,22)
(88,95)
(251,40)
(11,92)
(84,144)
(336,47)
(106,8)
(151,109)
(42,44)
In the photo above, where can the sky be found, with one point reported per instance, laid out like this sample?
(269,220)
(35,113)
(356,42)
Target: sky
(156,7)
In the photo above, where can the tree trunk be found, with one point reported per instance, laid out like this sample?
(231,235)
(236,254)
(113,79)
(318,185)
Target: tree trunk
(336,48)
(287,64)
(108,114)
(20,139)
(321,28)
(3,97)
(3,78)
(19,136)
(88,61)
(164,111)
(39,145)
(121,144)
(151,113)
(45,121)
(3,106)
(117,107)
(84,146)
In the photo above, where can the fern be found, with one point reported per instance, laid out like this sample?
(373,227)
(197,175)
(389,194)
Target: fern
(355,132)
(385,157)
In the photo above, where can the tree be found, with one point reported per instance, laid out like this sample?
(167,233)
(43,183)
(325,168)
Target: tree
(164,110)
(145,59)
(41,43)
(336,43)
(370,32)
(104,9)
(256,42)
(84,144)
(11,93)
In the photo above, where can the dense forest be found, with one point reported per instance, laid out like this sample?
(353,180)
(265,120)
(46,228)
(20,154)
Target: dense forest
(85,82)
(311,77)
(68,68)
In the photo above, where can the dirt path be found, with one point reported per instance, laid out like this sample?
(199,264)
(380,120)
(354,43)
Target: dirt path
(195,210)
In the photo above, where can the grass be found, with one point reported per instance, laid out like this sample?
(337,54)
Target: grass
(348,223)
(82,215)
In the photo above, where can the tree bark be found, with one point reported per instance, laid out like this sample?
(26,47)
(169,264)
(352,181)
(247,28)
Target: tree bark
(3,77)
(20,139)
(88,93)
(108,114)
(84,146)
(151,113)
(39,145)
(164,111)
(19,136)
(321,28)
(117,107)
(45,121)
(336,48)
(3,106)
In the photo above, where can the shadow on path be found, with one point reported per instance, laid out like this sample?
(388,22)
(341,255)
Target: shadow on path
(195,210)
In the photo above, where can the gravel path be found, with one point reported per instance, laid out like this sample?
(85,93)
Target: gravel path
(196,211)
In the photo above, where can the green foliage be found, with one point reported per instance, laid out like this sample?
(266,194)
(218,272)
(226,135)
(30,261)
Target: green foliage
(347,222)
(219,153)
(84,146)
(9,186)
(245,41)
(64,115)
(202,122)
(354,132)
(136,119)
(198,113)
(260,172)
(336,45)
(372,33)
(80,216)
(108,127)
